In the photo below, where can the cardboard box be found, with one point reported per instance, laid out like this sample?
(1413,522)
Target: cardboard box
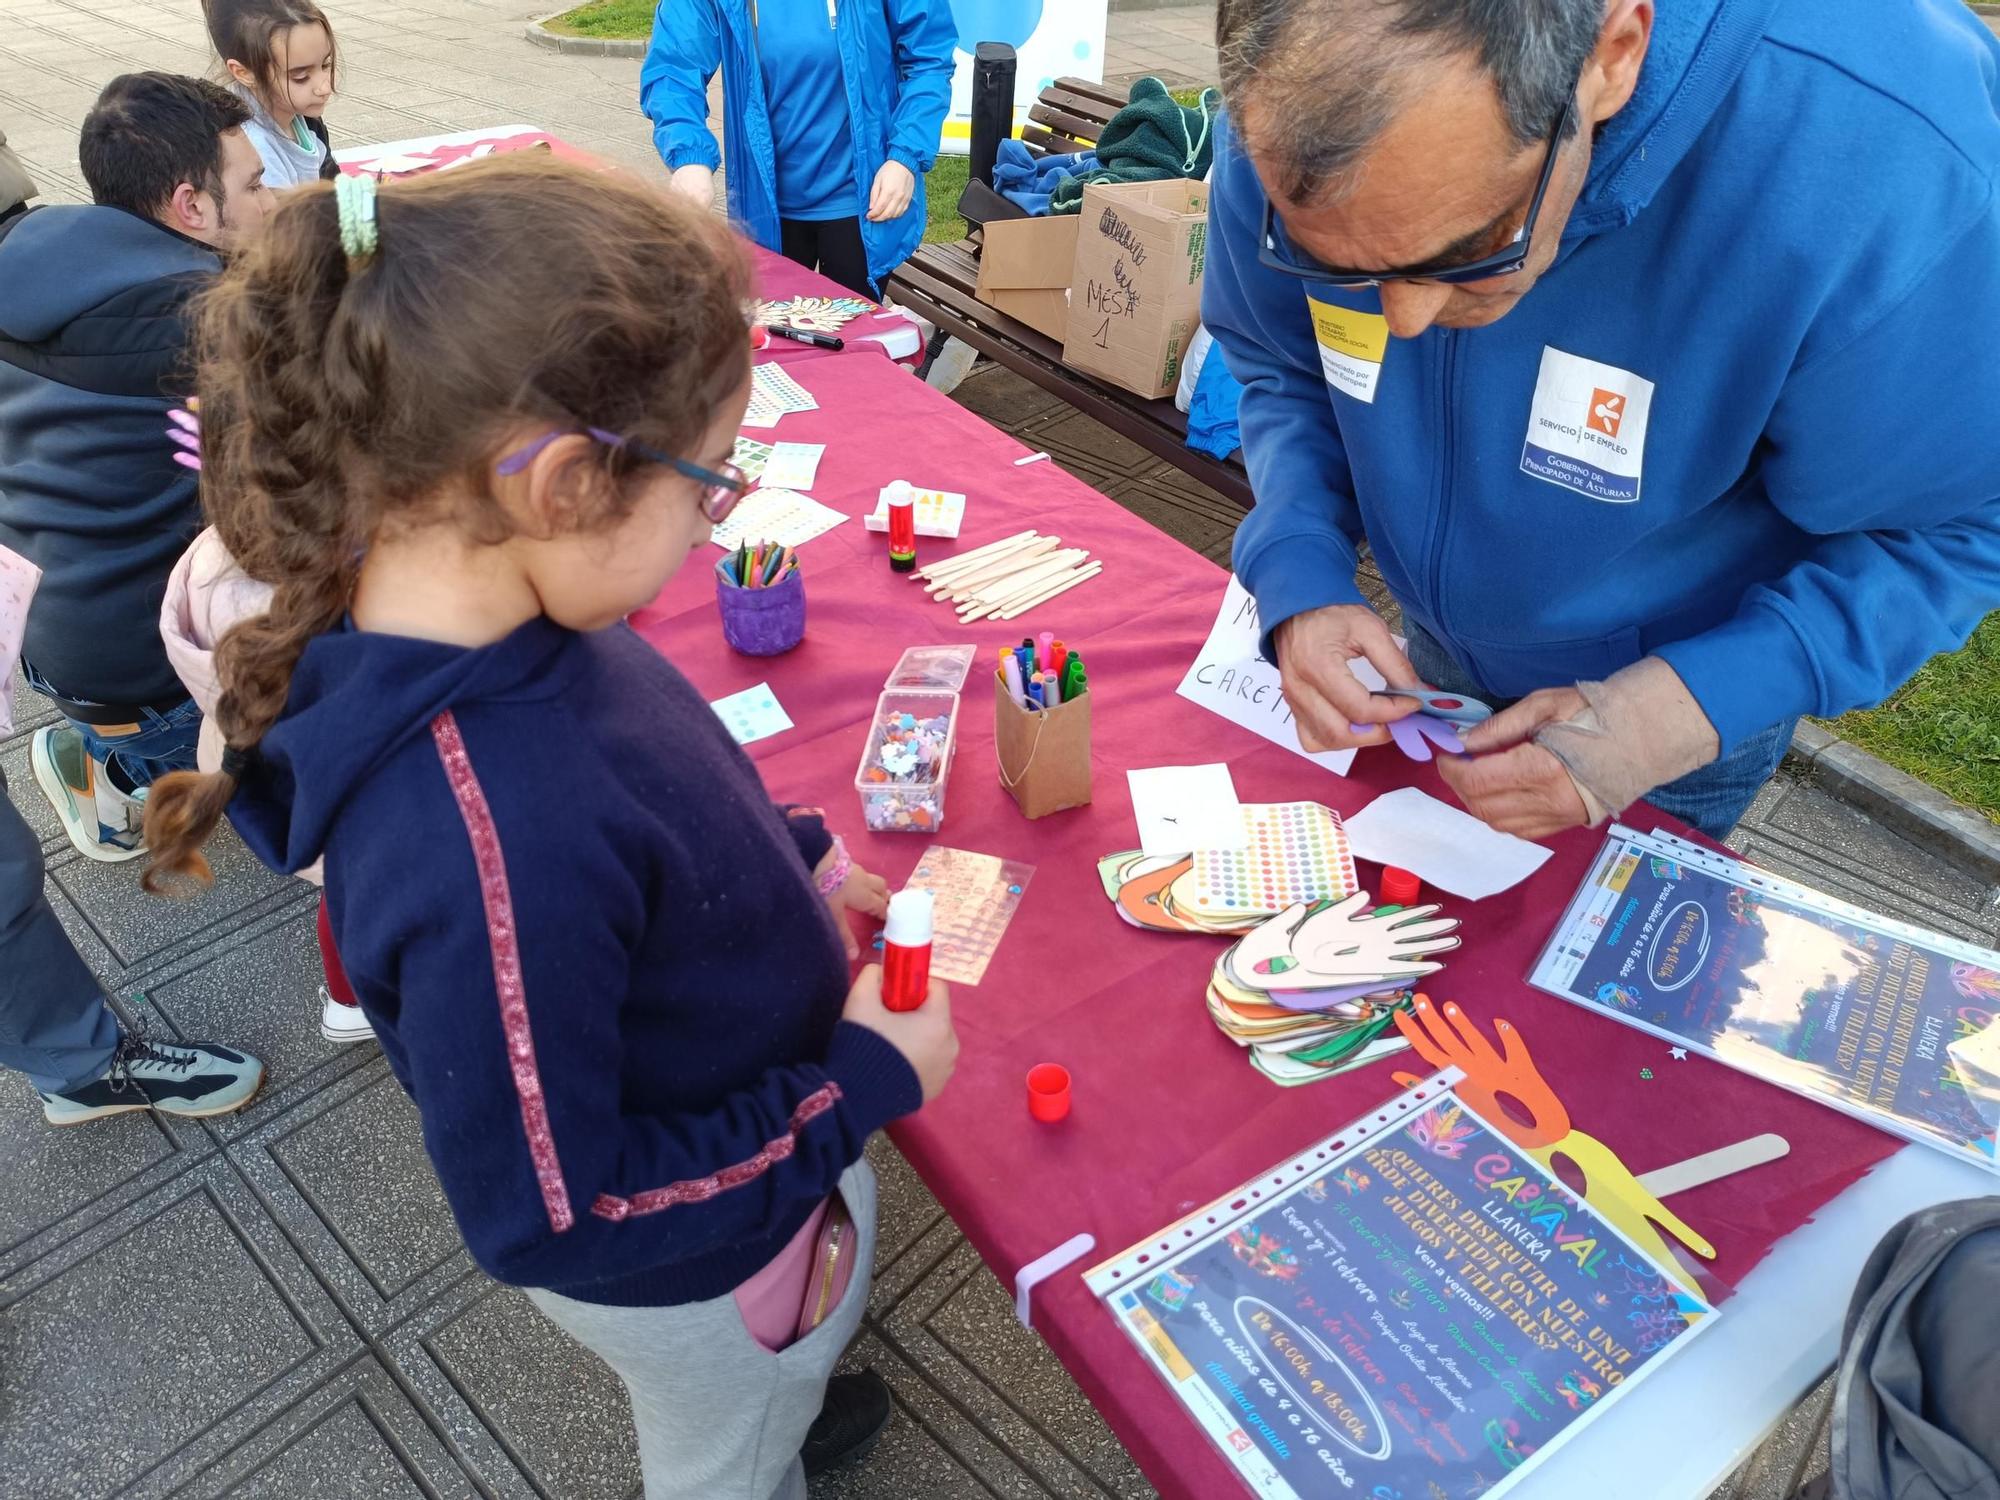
(1135,294)
(1024,270)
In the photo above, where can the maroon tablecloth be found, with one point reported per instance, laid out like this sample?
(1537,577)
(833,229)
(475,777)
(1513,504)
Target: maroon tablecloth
(1168,1112)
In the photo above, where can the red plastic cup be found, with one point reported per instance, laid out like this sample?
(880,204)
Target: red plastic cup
(1048,1092)
(1400,887)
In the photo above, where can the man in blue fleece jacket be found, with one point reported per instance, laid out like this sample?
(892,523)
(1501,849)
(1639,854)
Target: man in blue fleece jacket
(1653,356)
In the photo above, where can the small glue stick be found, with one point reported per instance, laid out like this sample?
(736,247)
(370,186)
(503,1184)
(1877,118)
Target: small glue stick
(902,503)
(906,951)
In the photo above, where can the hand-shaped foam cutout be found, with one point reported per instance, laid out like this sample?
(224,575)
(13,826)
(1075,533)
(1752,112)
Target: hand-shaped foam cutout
(1451,1040)
(1328,946)
(1448,1039)
(1410,734)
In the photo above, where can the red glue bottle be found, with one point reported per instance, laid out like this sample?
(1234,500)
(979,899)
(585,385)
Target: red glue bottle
(906,951)
(900,498)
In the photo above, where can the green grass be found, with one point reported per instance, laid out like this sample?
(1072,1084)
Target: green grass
(1944,726)
(946,181)
(613,20)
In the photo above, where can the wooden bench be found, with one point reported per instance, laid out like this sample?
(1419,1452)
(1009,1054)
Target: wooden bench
(939,283)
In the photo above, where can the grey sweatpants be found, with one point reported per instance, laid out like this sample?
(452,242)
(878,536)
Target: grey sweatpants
(720,1417)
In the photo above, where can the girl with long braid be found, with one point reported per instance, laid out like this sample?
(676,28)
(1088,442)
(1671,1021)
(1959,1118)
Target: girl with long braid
(462,430)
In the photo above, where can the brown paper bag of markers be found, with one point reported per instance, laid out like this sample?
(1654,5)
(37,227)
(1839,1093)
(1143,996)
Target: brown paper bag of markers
(1044,754)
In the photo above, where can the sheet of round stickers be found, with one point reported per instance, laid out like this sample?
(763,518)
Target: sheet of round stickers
(1297,851)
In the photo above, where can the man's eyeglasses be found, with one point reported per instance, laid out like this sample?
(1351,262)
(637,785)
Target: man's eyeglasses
(1280,254)
(721,488)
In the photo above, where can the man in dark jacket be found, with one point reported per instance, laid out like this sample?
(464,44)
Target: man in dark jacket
(94,309)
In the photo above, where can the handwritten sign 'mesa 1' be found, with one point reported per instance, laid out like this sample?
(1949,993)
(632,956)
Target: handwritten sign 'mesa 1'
(1135,295)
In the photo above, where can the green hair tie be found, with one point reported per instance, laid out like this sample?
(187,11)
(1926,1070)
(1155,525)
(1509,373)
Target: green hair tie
(354,195)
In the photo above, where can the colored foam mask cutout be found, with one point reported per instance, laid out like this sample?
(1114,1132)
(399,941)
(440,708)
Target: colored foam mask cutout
(1447,1038)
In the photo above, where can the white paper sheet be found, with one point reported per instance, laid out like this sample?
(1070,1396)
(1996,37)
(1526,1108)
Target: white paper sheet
(1229,678)
(1441,844)
(1184,808)
(793,466)
(753,714)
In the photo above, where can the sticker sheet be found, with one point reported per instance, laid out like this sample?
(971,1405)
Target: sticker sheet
(753,714)
(776,516)
(938,513)
(794,466)
(975,896)
(773,394)
(1297,851)
(751,456)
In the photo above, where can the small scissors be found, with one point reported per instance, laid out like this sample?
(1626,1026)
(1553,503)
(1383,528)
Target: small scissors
(1453,708)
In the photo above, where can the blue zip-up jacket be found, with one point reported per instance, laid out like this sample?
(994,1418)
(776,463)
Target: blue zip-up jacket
(620,1018)
(896,59)
(1791,231)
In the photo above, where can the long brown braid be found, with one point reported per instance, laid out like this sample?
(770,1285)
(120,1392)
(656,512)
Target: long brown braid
(338,400)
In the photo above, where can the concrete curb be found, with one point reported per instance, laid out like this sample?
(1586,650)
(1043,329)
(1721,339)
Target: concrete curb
(579,46)
(1920,813)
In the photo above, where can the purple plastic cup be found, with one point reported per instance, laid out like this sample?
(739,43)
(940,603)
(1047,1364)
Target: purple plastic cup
(763,622)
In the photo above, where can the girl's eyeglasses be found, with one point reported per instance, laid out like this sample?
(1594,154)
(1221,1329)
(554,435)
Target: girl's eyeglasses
(721,488)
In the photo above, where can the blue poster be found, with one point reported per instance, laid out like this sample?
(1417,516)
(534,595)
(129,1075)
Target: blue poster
(1424,1318)
(1880,1020)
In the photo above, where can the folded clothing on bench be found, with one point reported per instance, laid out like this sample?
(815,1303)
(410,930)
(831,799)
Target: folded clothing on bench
(1029,180)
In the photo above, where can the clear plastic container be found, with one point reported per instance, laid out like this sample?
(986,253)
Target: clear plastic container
(906,760)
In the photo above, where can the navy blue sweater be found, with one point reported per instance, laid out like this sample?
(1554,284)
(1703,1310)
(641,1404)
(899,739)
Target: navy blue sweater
(590,945)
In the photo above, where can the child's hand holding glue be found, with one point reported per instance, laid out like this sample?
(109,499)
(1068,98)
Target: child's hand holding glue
(848,887)
(924,1036)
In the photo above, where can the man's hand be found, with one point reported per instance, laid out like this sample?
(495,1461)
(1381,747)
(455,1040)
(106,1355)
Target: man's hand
(696,182)
(894,186)
(1510,783)
(1327,699)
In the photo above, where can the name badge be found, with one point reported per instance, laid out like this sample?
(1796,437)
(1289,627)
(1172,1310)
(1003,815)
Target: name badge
(1351,347)
(1587,427)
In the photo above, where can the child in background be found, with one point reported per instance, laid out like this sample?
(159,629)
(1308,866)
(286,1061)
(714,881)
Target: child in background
(464,430)
(279,55)
(208,594)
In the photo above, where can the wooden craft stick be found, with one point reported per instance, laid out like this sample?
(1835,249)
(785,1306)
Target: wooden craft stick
(1028,558)
(960,561)
(1083,576)
(1710,1165)
(1036,579)
(992,601)
(1009,584)
(995,567)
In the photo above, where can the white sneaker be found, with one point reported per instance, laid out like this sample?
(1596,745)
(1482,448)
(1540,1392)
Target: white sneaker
(342,1023)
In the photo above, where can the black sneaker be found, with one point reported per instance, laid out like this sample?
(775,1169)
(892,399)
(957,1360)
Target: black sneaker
(177,1078)
(850,1422)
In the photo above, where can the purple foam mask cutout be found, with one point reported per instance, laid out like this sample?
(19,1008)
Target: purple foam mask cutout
(1410,735)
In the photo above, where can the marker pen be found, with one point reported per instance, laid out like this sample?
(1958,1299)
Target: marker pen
(902,503)
(807,336)
(906,950)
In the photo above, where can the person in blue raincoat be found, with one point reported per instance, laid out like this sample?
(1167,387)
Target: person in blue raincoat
(832,111)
